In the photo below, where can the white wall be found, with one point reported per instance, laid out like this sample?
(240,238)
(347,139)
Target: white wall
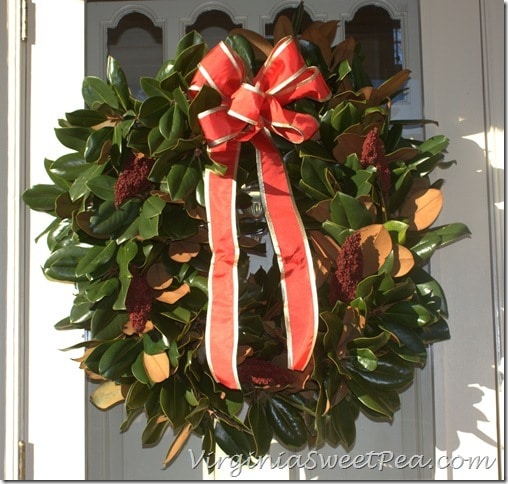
(457,81)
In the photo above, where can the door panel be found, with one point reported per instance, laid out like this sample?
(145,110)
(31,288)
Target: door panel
(120,456)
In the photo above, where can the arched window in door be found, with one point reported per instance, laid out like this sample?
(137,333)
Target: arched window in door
(137,44)
(380,38)
(213,25)
(289,13)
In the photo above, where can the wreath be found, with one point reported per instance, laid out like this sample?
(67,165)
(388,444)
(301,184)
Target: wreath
(156,217)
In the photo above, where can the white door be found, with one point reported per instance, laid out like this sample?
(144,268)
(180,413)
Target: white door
(141,46)
(44,390)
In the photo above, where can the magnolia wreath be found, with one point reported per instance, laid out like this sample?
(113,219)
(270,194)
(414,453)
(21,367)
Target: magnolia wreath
(156,220)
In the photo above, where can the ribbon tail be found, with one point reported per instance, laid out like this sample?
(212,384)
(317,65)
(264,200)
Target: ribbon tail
(293,254)
(221,334)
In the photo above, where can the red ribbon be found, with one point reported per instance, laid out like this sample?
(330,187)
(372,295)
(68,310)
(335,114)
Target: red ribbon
(249,112)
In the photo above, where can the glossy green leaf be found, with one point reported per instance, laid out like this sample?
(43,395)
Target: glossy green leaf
(97,93)
(95,257)
(149,218)
(287,423)
(172,400)
(349,212)
(154,430)
(107,323)
(119,357)
(102,186)
(407,338)
(61,264)
(118,81)
(100,289)
(261,432)
(183,178)
(207,98)
(430,292)
(73,138)
(408,314)
(69,166)
(107,219)
(85,118)
(390,373)
(343,416)
(234,442)
(152,110)
(315,173)
(137,395)
(42,197)
(366,358)
(126,253)
(385,403)
(98,145)
(79,188)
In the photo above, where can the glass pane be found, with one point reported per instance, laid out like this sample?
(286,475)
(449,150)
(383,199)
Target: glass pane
(213,25)
(380,38)
(136,43)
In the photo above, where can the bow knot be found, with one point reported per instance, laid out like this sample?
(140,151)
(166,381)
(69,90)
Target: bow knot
(248,113)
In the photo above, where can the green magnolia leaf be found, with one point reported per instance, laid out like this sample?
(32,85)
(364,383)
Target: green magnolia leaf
(188,40)
(102,186)
(118,358)
(384,403)
(287,423)
(69,166)
(106,323)
(187,59)
(450,233)
(118,81)
(97,93)
(207,98)
(139,372)
(42,197)
(126,253)
(366,358)
(316,174)
(232,441)
(85,118)
(408,314)
(343,416)
(349,212)
(149,218)
(434,333)
(344,115)
(137,395)
(243,47)
(390,373)
(174,406)
(108,220)
(407,338)
(79,188)
(152,110)
(98,145)
(183,178)
(100,289)
(430,292)
(96,257)
(261,432)
(73,138)
(172,125)
(61,264)
(154,430)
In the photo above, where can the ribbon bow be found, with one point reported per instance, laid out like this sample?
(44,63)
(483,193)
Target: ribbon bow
(248,113)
